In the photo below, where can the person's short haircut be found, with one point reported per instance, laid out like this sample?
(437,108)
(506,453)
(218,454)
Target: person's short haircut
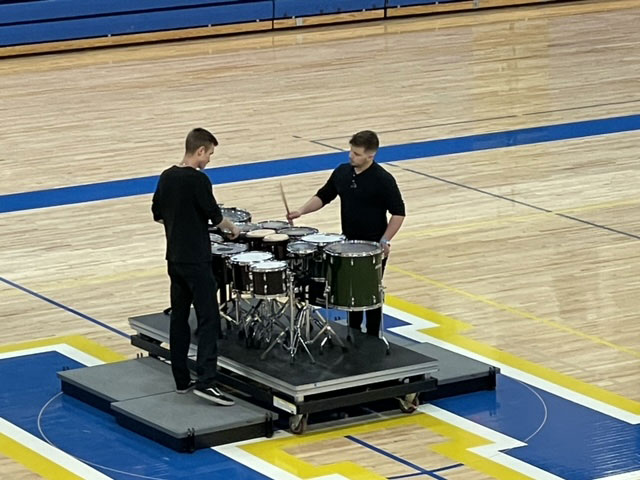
(366,139)
(199,137)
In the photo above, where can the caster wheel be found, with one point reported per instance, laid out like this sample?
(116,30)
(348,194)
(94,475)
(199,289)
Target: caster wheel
(409,403)
(298,423)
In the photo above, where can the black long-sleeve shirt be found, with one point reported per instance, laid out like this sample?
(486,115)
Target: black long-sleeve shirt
(365,199)
(184,201)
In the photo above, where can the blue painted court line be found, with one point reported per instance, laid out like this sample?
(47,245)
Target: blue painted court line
(64,307)
(315,163)
(570,441)
(407,463)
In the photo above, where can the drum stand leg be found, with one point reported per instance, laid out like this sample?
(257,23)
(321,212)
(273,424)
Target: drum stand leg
(296,319)
(384,339)
(266,318)
(325,331)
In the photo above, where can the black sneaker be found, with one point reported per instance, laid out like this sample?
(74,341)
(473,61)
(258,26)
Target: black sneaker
(188,388)
(213,394)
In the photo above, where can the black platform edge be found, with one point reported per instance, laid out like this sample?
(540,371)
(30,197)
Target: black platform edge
(312,403)
(193,441)
(86,396)
(469,385)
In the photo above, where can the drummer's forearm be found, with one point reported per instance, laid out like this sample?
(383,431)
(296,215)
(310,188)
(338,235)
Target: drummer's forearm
(395,222)
(312,205)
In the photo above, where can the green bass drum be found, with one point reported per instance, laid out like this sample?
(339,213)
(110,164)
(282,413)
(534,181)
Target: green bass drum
(354,275)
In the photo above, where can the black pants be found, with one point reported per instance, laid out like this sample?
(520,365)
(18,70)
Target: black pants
(193,283)
(374,316)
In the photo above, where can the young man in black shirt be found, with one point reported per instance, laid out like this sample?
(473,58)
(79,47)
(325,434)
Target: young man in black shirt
(184,203)
(367,192)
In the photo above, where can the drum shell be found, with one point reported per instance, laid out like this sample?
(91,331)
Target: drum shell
(241,275)
(241,268)
(298,261)
(317,267)
(277,247)
(317,263)
(271,282)
(220,261)
(255,238)
(354,283)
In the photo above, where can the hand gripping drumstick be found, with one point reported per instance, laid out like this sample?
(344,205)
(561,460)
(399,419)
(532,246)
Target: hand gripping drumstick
(284,200)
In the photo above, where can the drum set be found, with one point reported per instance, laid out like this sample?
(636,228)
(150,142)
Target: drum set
(275,278)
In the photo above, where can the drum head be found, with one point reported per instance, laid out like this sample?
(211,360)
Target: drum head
(301,248)
(276,237)
(260,233)
(215,238)
(247,227)
(322,239)
(227,249)
(247,258)
(273,224)
(269,266)
(236,215)
(353,248)
(298,232)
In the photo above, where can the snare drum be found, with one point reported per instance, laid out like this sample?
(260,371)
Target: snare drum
(296,233)
(273,224)
(241,268)
(220,253)
(269,278)
(236,215)
(255,237)
(276,243)
(317,265)
(354,275)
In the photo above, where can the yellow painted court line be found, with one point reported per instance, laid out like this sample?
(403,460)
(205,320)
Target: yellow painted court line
(449,330)
(33,461)
(517,312)
(456,448)
(80,343)
(24,455)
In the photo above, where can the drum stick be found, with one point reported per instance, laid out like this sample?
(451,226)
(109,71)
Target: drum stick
(284,200)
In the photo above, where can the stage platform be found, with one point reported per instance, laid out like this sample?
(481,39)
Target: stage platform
(338,378)
(140,393)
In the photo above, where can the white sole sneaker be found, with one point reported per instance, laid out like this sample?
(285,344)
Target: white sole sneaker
(220,399)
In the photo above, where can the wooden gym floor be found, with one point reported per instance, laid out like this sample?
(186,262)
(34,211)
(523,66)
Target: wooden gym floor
(533,247)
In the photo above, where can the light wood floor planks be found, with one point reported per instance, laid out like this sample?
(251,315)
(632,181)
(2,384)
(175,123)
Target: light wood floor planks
(535,247)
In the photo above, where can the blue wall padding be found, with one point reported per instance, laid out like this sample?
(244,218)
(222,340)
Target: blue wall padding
(38,21)
(60,9)
(135,23)
(297,8)
(406,3)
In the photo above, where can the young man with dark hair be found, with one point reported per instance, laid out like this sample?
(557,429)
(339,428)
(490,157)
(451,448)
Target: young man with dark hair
(184,203)
(367,192)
